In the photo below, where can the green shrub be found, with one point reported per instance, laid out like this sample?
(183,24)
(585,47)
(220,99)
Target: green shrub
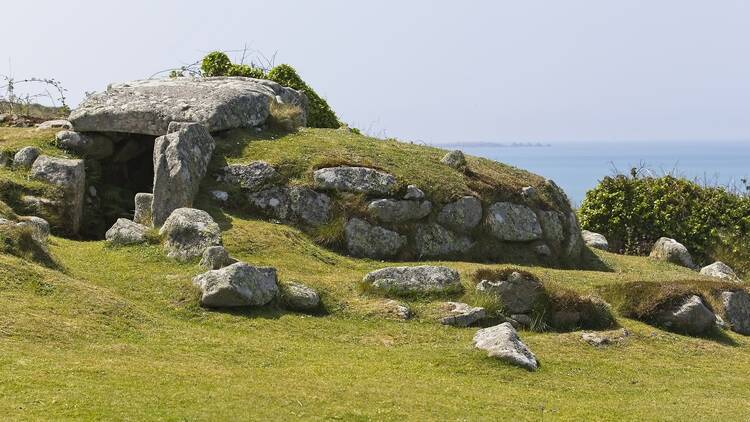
(216,63)
(246,71)
(634,212)
(319,113)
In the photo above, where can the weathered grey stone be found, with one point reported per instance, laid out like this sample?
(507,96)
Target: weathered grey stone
(461,216)
(355,179)
(397,309)
(413,192)
(126,232)
(188,232)
(670,250)
(54,124)
(273,202)
(419,280)
(462,314)
(737,310)
(366,240)
(513,222)
(573,246)
(605,338)
(529,192)
(143,204)
(517,293)
(523,320)
(455,159)
(433,241)
(148,106)
(216,257)
(70,175)
(89,145)
(180,161)
(219,195)
(39,227)
(502,342)
(399,211)
(310,207)
(552,226)
(720,270)
(26,156)
(239,284)
(251,177)
(595,240)
(298,297)
(543,250)
(689,316)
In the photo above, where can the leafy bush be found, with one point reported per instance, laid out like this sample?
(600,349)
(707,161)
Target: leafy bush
(319,113)
(216,63)
(633,212)
(246,71)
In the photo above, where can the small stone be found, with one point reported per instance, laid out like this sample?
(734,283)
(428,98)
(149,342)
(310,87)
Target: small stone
(219,196)
(419,280)
(298,297)
(606,338)
(355,179)
(502,342)
(461,216)
(399,211)
(126,232)
(188,232)
(26,156)
(239,284)
(690,316)
(523,320)
(397,309)
(142,213)
(670,250)
(454,159)
(720,270)
(413,192)
(39,227)
(595,240)
(92,191)
(216,257)
(528,192)
(462,314)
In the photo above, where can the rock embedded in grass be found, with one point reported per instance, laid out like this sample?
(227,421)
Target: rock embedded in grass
(670,250)
(126,232)
(595,240)
(462,215)
(143,203)
(605,338)
(435,241)
(188,232)
(413,192)
(239,284)
(298,297)
(39,227)
(462,314)
(26,156)
(252,177)
(517,292)
(720,270)
(417,281)
(689,315)
(216,257)
(502,342)
(513,222)
(399,211)
(355,179)
(368,241)
(454,159)
(737,310)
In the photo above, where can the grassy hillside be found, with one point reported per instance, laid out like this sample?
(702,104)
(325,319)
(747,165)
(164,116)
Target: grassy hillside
(117,333)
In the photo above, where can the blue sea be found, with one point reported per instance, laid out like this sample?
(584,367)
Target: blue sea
(578,166)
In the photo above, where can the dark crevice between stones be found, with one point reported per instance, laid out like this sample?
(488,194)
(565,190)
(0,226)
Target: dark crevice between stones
(116,179)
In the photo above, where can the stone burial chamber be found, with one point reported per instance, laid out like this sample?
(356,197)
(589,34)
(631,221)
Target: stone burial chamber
(154,137)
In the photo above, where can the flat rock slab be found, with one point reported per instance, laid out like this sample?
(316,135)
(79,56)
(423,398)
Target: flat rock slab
(239,284)
(148,106)
(421,280)
(502,342)
(462,314)
(355,179)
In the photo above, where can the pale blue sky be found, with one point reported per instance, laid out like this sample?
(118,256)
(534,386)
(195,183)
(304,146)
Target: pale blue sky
(436,71)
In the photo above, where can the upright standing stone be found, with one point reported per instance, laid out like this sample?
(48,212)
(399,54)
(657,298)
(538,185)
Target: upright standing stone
(181,159)
(143,203)
(70,175)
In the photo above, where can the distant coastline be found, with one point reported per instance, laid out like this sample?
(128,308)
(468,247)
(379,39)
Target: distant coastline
(493,145)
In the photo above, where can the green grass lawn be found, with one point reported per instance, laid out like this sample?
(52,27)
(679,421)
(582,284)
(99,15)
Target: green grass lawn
(118,335)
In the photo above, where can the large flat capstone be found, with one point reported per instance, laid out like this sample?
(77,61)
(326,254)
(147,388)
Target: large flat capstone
(148,106)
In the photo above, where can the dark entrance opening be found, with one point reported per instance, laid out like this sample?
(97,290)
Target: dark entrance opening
(113,182)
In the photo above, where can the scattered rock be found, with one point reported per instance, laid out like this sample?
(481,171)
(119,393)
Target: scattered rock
(180,161)
(54,124)
(413,192)
(419,280)
(737,310)
(434,241)
(219,195)
(70,175)
(689,316)
(143,204)
(312,208)
(273,202)
(355,179)
(461,216)
(595,240)
(502,342)
(148,106)
(529,192)
(299,297)
(517,293)
(543,250)
(216,257)
(454,159)
(39,227)
(26,156)
(462,314)
(670,250)
(399,211)
(188,232)
(397,309)
(126,232)
(573,246)
(251,177)
(366,240)
(605,338)
(91,145)
(513,222)
(239,284)
(720,270)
